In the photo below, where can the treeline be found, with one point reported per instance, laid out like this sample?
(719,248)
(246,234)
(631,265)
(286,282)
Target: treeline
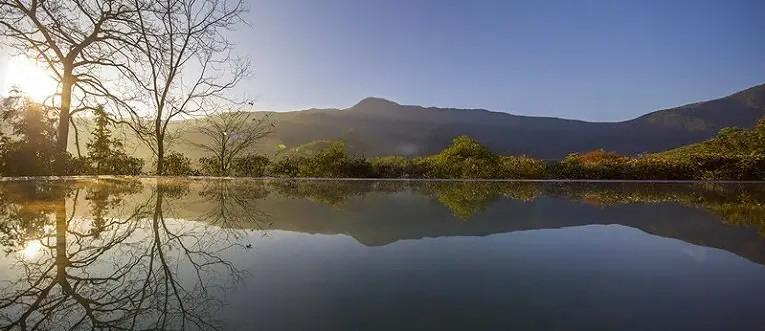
(28,144)
(27,148)
(734,154)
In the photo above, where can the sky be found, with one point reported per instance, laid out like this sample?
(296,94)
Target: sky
(590,60)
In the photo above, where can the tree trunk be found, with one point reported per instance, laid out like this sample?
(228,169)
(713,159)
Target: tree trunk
(62,138)
(160,157)
(62,226)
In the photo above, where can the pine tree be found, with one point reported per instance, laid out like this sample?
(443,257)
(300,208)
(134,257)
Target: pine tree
(103,150)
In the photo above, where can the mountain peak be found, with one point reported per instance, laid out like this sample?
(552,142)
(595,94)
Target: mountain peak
(375,103)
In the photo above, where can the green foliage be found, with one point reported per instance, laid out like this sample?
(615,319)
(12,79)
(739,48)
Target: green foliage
(286,166)
(734,154)
(591,165)
(31,149)
(332,161)
(465,200)
(176,164)
(78,165)
(251,165)
(209,166)
(522,167)
(464,158)
(106,154)
(398,167)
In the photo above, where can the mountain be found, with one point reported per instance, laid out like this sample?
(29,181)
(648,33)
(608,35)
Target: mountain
(376,126)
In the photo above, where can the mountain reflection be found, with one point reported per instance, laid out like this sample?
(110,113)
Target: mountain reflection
(153,253)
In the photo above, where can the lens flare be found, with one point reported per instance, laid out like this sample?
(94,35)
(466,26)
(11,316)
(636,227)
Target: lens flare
(32,249)
(33,80)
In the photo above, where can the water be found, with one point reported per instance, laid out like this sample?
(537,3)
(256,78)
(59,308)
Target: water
(307,255)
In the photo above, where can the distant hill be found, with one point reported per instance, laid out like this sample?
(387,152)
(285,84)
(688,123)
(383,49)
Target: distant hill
(377,126)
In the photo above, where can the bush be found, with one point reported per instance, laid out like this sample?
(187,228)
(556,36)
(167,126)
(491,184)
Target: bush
(334,162)
(649,167)
(77,165)
(522,167)
(464,158)
(127,165)
(287,166)
(177,164)
(728,167)
(596,164)
(209,166)
(250,166)
(397,167)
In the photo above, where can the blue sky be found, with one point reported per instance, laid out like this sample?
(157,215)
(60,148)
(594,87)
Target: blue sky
(591,60)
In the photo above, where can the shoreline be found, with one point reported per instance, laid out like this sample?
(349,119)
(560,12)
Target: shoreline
(349,179)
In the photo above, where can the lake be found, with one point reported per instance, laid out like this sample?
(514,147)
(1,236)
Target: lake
(381,255)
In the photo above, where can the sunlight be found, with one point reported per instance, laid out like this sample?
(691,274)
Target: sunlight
(33,79)
(31,249)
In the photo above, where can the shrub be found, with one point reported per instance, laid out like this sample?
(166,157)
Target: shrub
(78,165)
(522,167)
(209,166)
(127,165)
(250,166)
(592,165)
(464,158)
(397,167)
(650,167)
(177,164)
(334,162)
(286,166)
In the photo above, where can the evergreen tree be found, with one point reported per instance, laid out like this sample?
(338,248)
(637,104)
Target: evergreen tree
(102,148)
(105,153)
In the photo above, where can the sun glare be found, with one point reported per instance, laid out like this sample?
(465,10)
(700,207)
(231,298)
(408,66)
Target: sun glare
(31,249)
(31,78)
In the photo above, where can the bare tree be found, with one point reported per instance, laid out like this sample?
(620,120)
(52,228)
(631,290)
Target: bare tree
(76,40)
(228,135)
(115,269)
(185,66)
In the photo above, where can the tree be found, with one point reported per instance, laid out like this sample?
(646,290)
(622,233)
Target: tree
(109,273)
(464,158)
(334,161)
(184,67)
(76,40)
(32,145)
(107,154)
(229,135)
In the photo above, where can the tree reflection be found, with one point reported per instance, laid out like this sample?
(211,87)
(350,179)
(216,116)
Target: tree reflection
(330,192)
(736,204)
(139,269)
(129,254)
(467,199)
(235,204)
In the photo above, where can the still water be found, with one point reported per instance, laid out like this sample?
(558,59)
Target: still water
(310,255)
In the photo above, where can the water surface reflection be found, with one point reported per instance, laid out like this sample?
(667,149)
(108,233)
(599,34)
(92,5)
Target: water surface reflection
(284,254)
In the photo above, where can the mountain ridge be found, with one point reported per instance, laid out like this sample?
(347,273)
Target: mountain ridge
(377,127)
